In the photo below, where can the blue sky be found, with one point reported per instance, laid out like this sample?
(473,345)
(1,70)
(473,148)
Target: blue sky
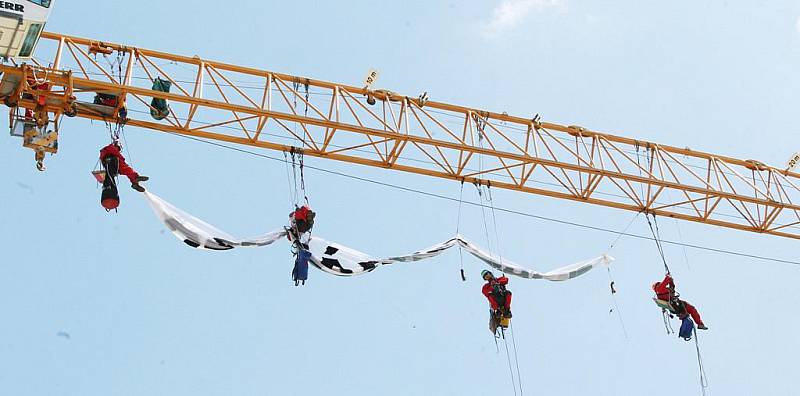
(147,315)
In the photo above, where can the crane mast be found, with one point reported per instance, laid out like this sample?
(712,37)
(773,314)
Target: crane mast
(192,96)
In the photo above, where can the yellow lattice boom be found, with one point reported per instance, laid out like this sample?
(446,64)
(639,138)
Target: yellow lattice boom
(379,128)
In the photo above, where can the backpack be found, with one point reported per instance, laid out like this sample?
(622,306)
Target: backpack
(687,328)
(300,271)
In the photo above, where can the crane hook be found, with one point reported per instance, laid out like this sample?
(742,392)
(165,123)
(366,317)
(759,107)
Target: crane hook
(40,161)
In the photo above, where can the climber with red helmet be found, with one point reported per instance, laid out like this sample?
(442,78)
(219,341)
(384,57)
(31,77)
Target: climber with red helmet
(499,299)
(665,291)
(114,164)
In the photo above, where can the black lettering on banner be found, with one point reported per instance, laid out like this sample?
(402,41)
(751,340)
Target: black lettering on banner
(335,266)
(191,243)
(11,6)
(368,265)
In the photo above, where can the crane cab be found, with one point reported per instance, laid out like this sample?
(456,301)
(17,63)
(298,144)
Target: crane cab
(21,25)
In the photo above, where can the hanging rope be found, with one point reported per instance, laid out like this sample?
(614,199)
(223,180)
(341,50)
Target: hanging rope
(611,278)
(303,177)
(296,87)
(656,233)
(494,219)
(703,377)
(500,255)
(483,214)
(616,305)
(623,232)
(666,317)
(294,178)
(508,357)
(657,239)
(516,358)
(680,239)
(292,199)
(458,230)
(306,88)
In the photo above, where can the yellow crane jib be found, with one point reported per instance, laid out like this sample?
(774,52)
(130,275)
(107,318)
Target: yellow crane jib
(359,124)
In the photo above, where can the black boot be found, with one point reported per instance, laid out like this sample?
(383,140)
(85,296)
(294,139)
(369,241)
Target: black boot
(142,178)
(138,187)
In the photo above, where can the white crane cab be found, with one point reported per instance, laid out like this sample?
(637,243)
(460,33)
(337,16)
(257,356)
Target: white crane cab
(21,24)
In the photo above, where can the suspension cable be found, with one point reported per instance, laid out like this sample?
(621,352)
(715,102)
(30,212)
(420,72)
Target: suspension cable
(507,210)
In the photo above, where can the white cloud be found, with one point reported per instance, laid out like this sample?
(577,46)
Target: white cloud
(510,13)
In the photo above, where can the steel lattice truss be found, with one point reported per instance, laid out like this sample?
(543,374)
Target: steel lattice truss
(259,108)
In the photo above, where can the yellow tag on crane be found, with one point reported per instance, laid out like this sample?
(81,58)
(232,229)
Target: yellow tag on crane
(372,76)
(793,161)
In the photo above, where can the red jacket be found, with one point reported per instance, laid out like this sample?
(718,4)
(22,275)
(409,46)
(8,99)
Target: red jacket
(488,288)
(124,169)
(665,289)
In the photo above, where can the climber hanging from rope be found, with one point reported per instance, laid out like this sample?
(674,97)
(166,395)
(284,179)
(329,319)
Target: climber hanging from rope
(668,299)
(666,296)
(112,159)
(499,300)
(301,221)
(114,164)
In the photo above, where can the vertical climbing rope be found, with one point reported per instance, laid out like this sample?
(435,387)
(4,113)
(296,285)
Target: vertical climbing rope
(458,232)
(500,255)
(303,177)
(667,325)
(508,357)
(516,359)
(657,238)
(703,377)
(294,178)
(494,220)
(483,214)
(616,305)
(306,85)
(288,178)
(611,278)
